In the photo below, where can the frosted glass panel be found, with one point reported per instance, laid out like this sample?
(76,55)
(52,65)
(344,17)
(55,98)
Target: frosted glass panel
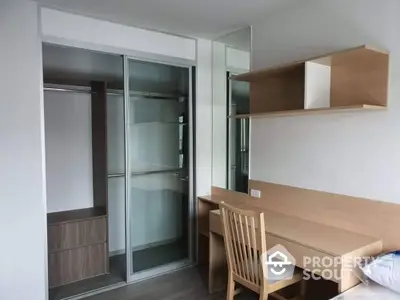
(151,110)
(158,78)
(159,147)
(159,196)
(158,139)
(158,125)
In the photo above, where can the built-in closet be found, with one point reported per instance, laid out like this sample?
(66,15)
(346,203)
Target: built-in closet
(119,164)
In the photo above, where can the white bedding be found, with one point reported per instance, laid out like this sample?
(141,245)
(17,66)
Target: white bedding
(372,291)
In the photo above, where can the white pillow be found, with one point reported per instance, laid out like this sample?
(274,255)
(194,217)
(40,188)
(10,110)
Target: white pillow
(385,270)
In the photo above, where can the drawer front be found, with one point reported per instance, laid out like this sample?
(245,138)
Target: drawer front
(77,264)
(215,223)
(203,212)
(76,234)
(321,264)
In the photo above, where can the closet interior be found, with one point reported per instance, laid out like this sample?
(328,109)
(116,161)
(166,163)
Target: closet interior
(84,125)
(119,153)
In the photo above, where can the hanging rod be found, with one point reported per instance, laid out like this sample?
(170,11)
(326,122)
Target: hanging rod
(115,175)
(156,172)
(113,92)
(82,90)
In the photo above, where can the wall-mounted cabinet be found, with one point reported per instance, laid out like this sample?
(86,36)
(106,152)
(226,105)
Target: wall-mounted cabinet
(354,79)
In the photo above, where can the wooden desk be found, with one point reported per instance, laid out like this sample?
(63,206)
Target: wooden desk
(300,237)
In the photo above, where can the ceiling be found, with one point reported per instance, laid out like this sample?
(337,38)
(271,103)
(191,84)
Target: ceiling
(195,18)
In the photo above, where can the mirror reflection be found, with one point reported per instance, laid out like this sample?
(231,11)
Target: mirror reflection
(231,56)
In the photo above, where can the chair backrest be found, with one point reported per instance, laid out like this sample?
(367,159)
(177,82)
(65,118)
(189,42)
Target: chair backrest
(245,241)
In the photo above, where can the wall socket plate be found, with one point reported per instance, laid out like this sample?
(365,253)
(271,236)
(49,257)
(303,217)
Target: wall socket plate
(255,193)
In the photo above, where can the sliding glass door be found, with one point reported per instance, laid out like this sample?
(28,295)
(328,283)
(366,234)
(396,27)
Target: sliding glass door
(159,167)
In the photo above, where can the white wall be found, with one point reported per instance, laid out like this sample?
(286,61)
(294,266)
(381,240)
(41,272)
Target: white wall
(350,153)
(23,255)
(61,26)
(68,151)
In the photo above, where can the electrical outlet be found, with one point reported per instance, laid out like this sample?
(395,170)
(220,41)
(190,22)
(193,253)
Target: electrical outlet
(255,193)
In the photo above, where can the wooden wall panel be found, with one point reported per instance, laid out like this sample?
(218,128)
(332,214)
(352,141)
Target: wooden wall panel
(373,218)
(359,76)
(278,91)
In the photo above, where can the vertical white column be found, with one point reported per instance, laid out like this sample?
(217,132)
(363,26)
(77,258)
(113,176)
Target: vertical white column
(203,117)
(23,251)
(219,113)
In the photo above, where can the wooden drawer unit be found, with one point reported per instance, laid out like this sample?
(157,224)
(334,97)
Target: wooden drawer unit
(76,234)
(77,245)
(73,265)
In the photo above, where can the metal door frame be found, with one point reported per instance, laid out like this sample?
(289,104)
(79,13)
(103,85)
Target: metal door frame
(134,277)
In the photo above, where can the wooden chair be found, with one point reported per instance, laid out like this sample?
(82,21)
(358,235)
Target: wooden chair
(245,241)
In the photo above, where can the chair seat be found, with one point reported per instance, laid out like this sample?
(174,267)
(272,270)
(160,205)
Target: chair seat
(280,284)
(275,285)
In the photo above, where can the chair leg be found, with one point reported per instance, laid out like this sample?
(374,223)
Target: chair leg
(263,294)
(303,289)
(230,293)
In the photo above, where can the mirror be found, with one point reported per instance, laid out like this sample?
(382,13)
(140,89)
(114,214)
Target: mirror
(231,56)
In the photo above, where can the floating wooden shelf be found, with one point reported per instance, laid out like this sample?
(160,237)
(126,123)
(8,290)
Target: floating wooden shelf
(326,110)
(349,80)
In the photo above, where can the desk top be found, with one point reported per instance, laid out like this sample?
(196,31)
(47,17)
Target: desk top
(327,239)
(372,291)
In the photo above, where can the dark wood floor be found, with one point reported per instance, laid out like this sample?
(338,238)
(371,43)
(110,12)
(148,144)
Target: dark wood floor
(188,285)
(181,285)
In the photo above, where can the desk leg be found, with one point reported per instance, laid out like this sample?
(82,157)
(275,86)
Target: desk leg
(350,275)
(218,271)
(348,280)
